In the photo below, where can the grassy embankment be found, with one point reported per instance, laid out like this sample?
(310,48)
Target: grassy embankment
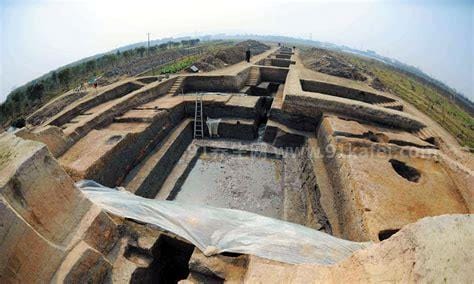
(424,97)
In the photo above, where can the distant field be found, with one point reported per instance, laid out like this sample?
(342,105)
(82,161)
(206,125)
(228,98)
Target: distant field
(424,97)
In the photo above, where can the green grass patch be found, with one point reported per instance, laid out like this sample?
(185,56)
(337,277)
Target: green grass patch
(174,67)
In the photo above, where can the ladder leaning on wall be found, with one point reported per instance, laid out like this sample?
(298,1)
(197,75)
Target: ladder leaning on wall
(198,125)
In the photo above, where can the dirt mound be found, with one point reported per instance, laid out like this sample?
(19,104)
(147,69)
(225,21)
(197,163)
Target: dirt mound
(378,85)
(326,62)
(230,55)
(255,47)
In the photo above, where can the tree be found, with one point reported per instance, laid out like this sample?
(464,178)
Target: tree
(17,96)
(64,77)
(127,53)
(175,44)
(90,65)
(193,41)
(5,111)
(35,92)
(141,50)
(54,77)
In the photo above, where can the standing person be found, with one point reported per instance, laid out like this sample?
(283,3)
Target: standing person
(247,55)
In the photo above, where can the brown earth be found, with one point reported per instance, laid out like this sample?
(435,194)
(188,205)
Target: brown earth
(321,60)
(360,170)
(230,55)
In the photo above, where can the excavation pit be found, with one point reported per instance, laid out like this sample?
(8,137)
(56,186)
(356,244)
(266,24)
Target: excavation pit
(343,92)
(250,181)
(273,153)
(246,175)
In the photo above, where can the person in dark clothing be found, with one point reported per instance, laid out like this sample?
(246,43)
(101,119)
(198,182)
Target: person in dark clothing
(247,55)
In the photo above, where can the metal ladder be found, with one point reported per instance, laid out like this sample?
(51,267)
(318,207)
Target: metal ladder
(198,125)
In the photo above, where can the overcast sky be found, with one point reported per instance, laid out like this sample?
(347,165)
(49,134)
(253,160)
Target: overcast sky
(37,36)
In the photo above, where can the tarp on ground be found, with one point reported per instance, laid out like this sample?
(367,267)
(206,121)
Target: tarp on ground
(216,230)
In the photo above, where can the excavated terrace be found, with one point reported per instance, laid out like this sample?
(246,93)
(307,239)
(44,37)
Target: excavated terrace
(292,144)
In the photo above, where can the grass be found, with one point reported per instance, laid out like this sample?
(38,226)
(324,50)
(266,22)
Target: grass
(178,65)
(424,97)
(175,66)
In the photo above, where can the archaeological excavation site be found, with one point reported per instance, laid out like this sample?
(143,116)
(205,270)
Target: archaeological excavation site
(266,171)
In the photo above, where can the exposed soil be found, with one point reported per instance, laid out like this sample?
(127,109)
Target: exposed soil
(377,84)
(323,61)
(137,65)
(237,182)
(230,55)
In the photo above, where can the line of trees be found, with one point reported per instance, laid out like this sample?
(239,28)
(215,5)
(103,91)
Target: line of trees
(31,96)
